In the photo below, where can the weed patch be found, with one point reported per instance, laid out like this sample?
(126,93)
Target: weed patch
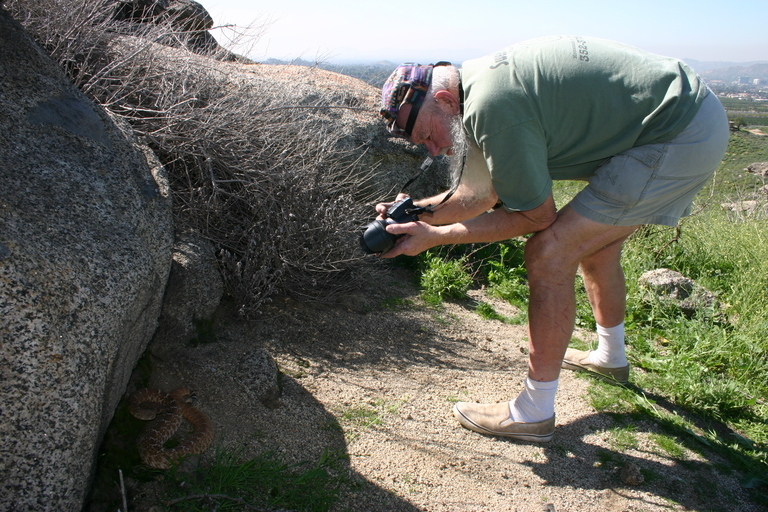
(359,418)
(229,483)
(486,311)
(668,445)
(443,279)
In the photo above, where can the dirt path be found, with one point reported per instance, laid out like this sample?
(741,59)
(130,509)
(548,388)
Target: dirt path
(375,379)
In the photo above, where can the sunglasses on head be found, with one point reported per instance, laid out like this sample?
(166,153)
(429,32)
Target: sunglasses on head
(414,97)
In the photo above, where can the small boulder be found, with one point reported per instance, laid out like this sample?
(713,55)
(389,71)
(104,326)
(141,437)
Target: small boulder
(630,474)
(673,288)
(759,168)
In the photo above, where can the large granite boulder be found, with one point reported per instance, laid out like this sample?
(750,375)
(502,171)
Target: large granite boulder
(279,166)
(266,91)
(85,250)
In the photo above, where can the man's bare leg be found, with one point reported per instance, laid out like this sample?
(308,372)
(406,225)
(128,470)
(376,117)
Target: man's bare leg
(605,284)
(552,259)
(606,289)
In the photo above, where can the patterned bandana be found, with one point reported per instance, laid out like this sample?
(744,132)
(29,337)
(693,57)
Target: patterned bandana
(407,84)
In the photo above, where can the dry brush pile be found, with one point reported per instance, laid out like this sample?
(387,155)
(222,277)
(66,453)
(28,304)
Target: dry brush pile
(259,168)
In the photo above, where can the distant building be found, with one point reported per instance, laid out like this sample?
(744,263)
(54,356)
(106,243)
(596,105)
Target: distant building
(744,80)
(759,81)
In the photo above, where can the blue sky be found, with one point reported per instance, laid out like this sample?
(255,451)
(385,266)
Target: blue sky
(363,30)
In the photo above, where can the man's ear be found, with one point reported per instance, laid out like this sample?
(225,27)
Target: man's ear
(447,98)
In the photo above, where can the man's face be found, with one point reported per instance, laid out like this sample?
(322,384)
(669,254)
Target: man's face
(432,128)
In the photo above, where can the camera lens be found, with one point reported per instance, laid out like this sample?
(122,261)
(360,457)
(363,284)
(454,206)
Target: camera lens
(375,238)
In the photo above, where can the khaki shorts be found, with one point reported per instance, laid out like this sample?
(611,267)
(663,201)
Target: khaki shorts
(656,183)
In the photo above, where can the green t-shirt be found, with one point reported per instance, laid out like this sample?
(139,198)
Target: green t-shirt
(557,107)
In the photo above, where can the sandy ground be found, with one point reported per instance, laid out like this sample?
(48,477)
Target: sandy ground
(375,377)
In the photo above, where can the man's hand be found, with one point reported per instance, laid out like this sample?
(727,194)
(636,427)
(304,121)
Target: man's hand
(382,208)
(417,238)
(489,227)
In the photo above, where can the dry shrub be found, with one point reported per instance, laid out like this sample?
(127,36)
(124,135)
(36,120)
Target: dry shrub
(255,167)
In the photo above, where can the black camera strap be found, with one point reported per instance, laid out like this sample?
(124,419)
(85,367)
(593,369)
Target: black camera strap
(418,210)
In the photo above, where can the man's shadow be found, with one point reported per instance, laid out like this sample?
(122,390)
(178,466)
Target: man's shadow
(706,477)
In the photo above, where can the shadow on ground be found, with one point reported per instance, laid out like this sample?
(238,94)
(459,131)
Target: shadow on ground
(379,346)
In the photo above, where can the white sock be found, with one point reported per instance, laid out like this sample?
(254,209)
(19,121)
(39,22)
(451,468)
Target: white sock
(535,403)
(610,352)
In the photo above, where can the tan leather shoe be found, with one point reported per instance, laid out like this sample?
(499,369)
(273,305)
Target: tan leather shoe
(493,419)
(574,360)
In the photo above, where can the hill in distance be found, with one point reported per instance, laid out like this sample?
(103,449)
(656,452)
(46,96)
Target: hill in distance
(729,71)
(375,73)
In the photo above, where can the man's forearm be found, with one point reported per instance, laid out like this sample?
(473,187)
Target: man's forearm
(463,205)
(495,226)
(490,227)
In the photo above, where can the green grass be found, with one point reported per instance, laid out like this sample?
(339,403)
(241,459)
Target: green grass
(396,303)
(740,105)
(486,311)
(731,181)
(668,445)
(443,279)
(711,366)
(230,483)
(623,438)
(359,418)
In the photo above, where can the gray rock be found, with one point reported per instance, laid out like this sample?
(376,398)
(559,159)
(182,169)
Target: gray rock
(257,372)
(194,290)
(387,162)
(759,168)
(189,15)
(85,251)
(190,22)
(671,287)
(630,474)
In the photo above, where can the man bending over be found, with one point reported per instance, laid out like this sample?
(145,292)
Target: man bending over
(643,130)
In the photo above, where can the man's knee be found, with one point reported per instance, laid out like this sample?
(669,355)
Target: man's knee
(544,253)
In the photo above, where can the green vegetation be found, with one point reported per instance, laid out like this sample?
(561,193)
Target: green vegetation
(361,417)
(709,368)
(746,112)
(623,438)
(669,445)
(443,278)
(737,104)
(230,483)
(486,311)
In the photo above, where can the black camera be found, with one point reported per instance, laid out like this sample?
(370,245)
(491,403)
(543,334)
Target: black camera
(375,238)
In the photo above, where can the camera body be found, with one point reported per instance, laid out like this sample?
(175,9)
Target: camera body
(375,238)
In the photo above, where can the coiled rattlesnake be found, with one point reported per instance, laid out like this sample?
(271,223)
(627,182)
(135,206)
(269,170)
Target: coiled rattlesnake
(168,408)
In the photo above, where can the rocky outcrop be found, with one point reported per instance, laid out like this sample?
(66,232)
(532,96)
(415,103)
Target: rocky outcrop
(279,166)
(189,19)
(85,251)
(352,112)
(86,240)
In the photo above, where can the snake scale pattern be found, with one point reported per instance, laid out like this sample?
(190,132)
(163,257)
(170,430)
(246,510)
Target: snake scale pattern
(168,409)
